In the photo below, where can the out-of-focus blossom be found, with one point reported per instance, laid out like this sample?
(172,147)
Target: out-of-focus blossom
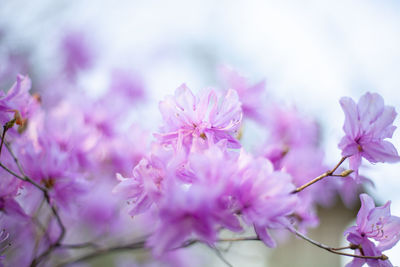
(127,84)
(349,189)
(367,124)
(17,103)
(50,162)
(99,211)
(188,213)
(198,209)
(3,244)
(251,96)
(146,185)
(288,129)
(304,164)
(223,188)
(20,235)
(77,52)
(13,63)
(207,119)
(374,223)
(263,196)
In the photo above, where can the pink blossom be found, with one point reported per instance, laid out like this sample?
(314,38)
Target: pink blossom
(374,223)
(304,164)
(144,187)
(206,119)
(17,103)
(200,208)
(20,233)
(367,124)
(349,189)
(263,196)
(50,162)
(288,129)
(224,187)
(195,212)
(78,54)
(129,85)
(251,96)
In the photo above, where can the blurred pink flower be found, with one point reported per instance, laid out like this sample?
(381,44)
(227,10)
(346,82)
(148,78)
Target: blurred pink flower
(17,103)
(77,52)
(251,96)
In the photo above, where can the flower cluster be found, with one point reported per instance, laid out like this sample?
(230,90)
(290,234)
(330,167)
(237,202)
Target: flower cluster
(195,181)
(61,149)
(373,224)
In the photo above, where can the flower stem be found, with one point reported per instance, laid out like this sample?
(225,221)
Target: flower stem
(335,250)
(322,176)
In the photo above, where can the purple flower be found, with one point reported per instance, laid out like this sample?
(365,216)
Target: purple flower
(374,223)
(349,189)
(304,164)
(205,120)
(145,186)
(3,244)
(78,54)
(185,213)
(288,129)
(198,209)
(17,226)
(17,103)
(129,85)
(263,196)
(251,96)
(50,162)
(367,124)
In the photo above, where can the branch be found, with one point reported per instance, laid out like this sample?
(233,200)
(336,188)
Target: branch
(46,196)
(250,238)
(101,252)
(322,176)
(6,127)
(78,246)
(335,250)
(221,257)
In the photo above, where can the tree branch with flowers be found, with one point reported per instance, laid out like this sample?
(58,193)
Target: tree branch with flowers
(193,180)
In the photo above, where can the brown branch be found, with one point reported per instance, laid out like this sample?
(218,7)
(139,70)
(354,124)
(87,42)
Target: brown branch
(322,176)
(141,245)
(250,238)
(221,257)
(6,127)
(335,251)
(101,252)
(78,246)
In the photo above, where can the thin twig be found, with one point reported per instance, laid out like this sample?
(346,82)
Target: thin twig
(22,175)
(250,238)
(21,170)
(351,246)
(78,246)
(12,172)
(221,257)
(6,127)
(56,244)
(46,196)
(335,251)
(322,176)
(101,252)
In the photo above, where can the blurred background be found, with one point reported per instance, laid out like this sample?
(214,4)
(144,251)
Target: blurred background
(310,53)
